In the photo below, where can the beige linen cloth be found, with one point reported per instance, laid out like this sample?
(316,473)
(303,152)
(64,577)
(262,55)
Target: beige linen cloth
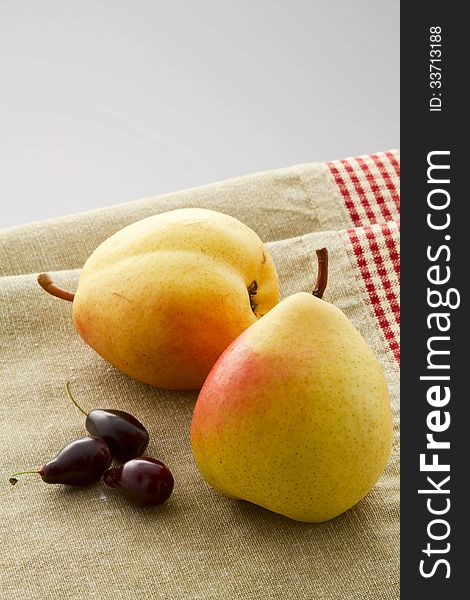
(84,543)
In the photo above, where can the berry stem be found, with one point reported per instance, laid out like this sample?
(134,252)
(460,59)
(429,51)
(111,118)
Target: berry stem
(67,385)
(45,281)
(322,274)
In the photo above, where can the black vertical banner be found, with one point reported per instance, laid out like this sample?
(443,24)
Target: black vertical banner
(435,331)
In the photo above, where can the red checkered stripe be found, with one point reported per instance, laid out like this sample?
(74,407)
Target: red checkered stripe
(375,249)
(369,186)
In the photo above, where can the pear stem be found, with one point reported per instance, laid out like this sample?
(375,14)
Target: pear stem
(322,274)
(45,281)
(13,479)
(67,385)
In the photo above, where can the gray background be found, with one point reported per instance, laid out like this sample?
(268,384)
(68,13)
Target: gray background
(104,102)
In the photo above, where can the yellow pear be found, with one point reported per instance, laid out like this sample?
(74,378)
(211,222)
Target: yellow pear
(162,298)
(295,415)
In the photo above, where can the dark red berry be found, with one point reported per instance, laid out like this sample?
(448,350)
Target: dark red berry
(145,481)
(81,462)
(124,434)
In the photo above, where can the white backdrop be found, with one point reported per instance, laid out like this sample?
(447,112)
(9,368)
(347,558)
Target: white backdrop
(104,102)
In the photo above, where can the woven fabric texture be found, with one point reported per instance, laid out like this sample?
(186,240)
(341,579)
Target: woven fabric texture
(67,543)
